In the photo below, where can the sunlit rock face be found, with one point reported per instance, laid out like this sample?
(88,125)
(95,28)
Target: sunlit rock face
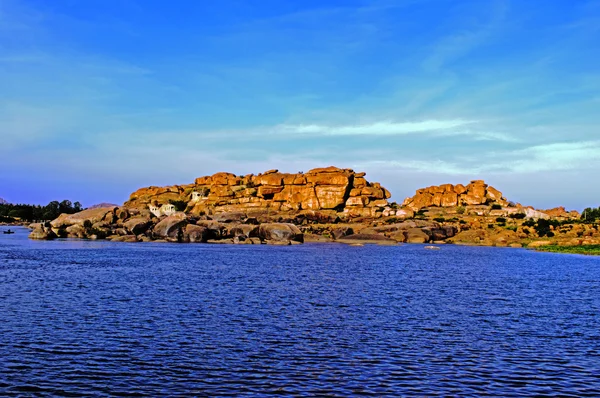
(323,189)
(477,192)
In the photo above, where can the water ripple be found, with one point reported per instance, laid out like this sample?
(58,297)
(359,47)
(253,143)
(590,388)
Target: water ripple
(108,319)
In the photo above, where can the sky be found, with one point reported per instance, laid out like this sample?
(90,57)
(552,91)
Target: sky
(99,98)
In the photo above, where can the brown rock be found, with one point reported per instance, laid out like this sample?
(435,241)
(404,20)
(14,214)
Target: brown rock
(41,232)
(460,189)
(494,194)
(280,232)
(417,235)
(357,201)
(171,226)
(124,238)
(328,179)
(449,199)
(137,225)
(196,233)
(330,196)
(341,232)
(266,190)
(91,215)
(225,179)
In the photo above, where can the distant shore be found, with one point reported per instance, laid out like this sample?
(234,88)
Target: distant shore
(588,250)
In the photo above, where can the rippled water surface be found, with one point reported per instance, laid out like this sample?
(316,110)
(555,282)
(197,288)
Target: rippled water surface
(107,319)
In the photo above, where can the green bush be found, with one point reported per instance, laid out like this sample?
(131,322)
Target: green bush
(439,219)
(496,206)
(590,215)
(460,210)
(543,227)
(180,205)
(501,220)
(518,216)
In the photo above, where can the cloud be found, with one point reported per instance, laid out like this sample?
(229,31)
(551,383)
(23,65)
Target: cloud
(377,128)
(450,127)
(554,157)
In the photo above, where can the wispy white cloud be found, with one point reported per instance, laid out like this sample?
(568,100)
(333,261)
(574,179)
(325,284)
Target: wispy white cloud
(555,156)
(376,128)
(559,156)
(446,128)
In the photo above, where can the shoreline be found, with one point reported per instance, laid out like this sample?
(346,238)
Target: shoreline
(586,250)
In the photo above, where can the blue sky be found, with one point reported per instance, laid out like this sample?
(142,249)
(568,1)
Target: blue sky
(101,97)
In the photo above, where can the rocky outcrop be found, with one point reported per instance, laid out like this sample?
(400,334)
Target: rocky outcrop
(477,192)
(333,189)
(171,227)
(42,231)
(196,234)
(90,215)
(323,205)
(280,233)
(562,213)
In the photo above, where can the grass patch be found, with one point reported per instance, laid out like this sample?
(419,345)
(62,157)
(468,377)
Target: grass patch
(590,250)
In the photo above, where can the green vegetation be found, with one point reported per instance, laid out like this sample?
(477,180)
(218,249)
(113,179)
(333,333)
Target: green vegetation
(420,214)
(496,206)
(461,209)
(585,249)
(180,205)
(501,220)
(11,212)
(518,216)
(590,215)
(439,219)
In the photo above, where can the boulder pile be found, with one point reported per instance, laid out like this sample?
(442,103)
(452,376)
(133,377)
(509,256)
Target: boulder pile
(323,205)
(329,189)
(477,192)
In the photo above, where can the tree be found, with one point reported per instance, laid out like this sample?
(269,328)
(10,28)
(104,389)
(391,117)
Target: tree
(590,214)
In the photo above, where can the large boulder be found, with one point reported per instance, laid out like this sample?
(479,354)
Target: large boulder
(243,230)
(280,232)
(76,231)
(196,233)
(91,215)
(216,229)
(137,225)
(341,232)
(417,235)
(42,232)
(171,226)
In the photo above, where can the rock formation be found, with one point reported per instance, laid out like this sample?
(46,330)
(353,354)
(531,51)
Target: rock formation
(325,205)
(330,189)
(475,193)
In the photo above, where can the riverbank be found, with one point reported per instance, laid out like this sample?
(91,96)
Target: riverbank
(588,250)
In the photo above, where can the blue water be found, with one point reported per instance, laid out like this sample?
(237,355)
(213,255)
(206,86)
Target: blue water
(109,319)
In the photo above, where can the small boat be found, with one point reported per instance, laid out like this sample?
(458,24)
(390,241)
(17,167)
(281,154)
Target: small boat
(8,231)
(432,248)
